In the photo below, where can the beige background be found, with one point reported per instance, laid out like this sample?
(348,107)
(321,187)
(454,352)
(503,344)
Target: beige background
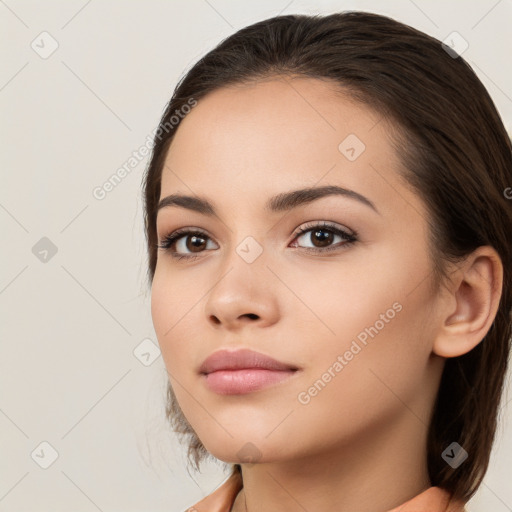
(75,370)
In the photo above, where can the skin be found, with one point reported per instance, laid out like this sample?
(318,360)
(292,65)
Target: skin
(360,443)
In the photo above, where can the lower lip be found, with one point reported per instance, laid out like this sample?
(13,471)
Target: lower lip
(238,382)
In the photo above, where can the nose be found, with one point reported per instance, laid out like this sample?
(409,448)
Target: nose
(245,294)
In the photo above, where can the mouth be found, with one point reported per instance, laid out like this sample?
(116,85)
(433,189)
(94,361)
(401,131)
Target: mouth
(243,371)
(247,380)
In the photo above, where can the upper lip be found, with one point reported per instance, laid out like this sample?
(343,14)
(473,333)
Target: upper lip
(239,359)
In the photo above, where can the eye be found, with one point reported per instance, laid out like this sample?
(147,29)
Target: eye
(189,243)
(193,240)
(322,235)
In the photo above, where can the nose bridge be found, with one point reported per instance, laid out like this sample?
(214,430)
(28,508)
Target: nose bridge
(242,288)
(249,243)
(245,267)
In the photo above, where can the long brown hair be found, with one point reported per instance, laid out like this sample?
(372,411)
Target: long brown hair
(456,155)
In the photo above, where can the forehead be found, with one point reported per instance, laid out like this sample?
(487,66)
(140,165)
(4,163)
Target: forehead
(278,134)
(272,120)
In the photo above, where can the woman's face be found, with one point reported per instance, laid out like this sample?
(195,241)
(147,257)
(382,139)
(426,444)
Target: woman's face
(357,318)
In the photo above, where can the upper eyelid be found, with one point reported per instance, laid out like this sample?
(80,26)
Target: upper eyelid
(324,224)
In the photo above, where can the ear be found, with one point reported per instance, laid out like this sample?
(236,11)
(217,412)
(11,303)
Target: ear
(472,300)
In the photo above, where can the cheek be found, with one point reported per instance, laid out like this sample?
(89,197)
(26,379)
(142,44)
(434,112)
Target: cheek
(374,323)
(160,305)
(342,302)
(169,316)
(374,382)
(374,371)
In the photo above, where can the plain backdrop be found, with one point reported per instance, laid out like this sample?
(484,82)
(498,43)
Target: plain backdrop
(82,385)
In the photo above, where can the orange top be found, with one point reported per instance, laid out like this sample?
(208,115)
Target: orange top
(433,499)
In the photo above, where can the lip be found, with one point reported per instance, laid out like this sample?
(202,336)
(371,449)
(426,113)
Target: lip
(229,372)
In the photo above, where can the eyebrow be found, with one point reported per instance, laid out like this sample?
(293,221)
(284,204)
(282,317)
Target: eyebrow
(281,202)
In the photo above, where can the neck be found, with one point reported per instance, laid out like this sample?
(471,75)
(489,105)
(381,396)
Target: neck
(378,472)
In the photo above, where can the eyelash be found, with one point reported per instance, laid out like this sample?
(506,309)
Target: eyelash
(349,238)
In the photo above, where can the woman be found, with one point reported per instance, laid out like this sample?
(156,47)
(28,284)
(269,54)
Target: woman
(327,221)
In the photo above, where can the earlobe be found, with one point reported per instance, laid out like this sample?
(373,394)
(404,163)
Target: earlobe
(476,291)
